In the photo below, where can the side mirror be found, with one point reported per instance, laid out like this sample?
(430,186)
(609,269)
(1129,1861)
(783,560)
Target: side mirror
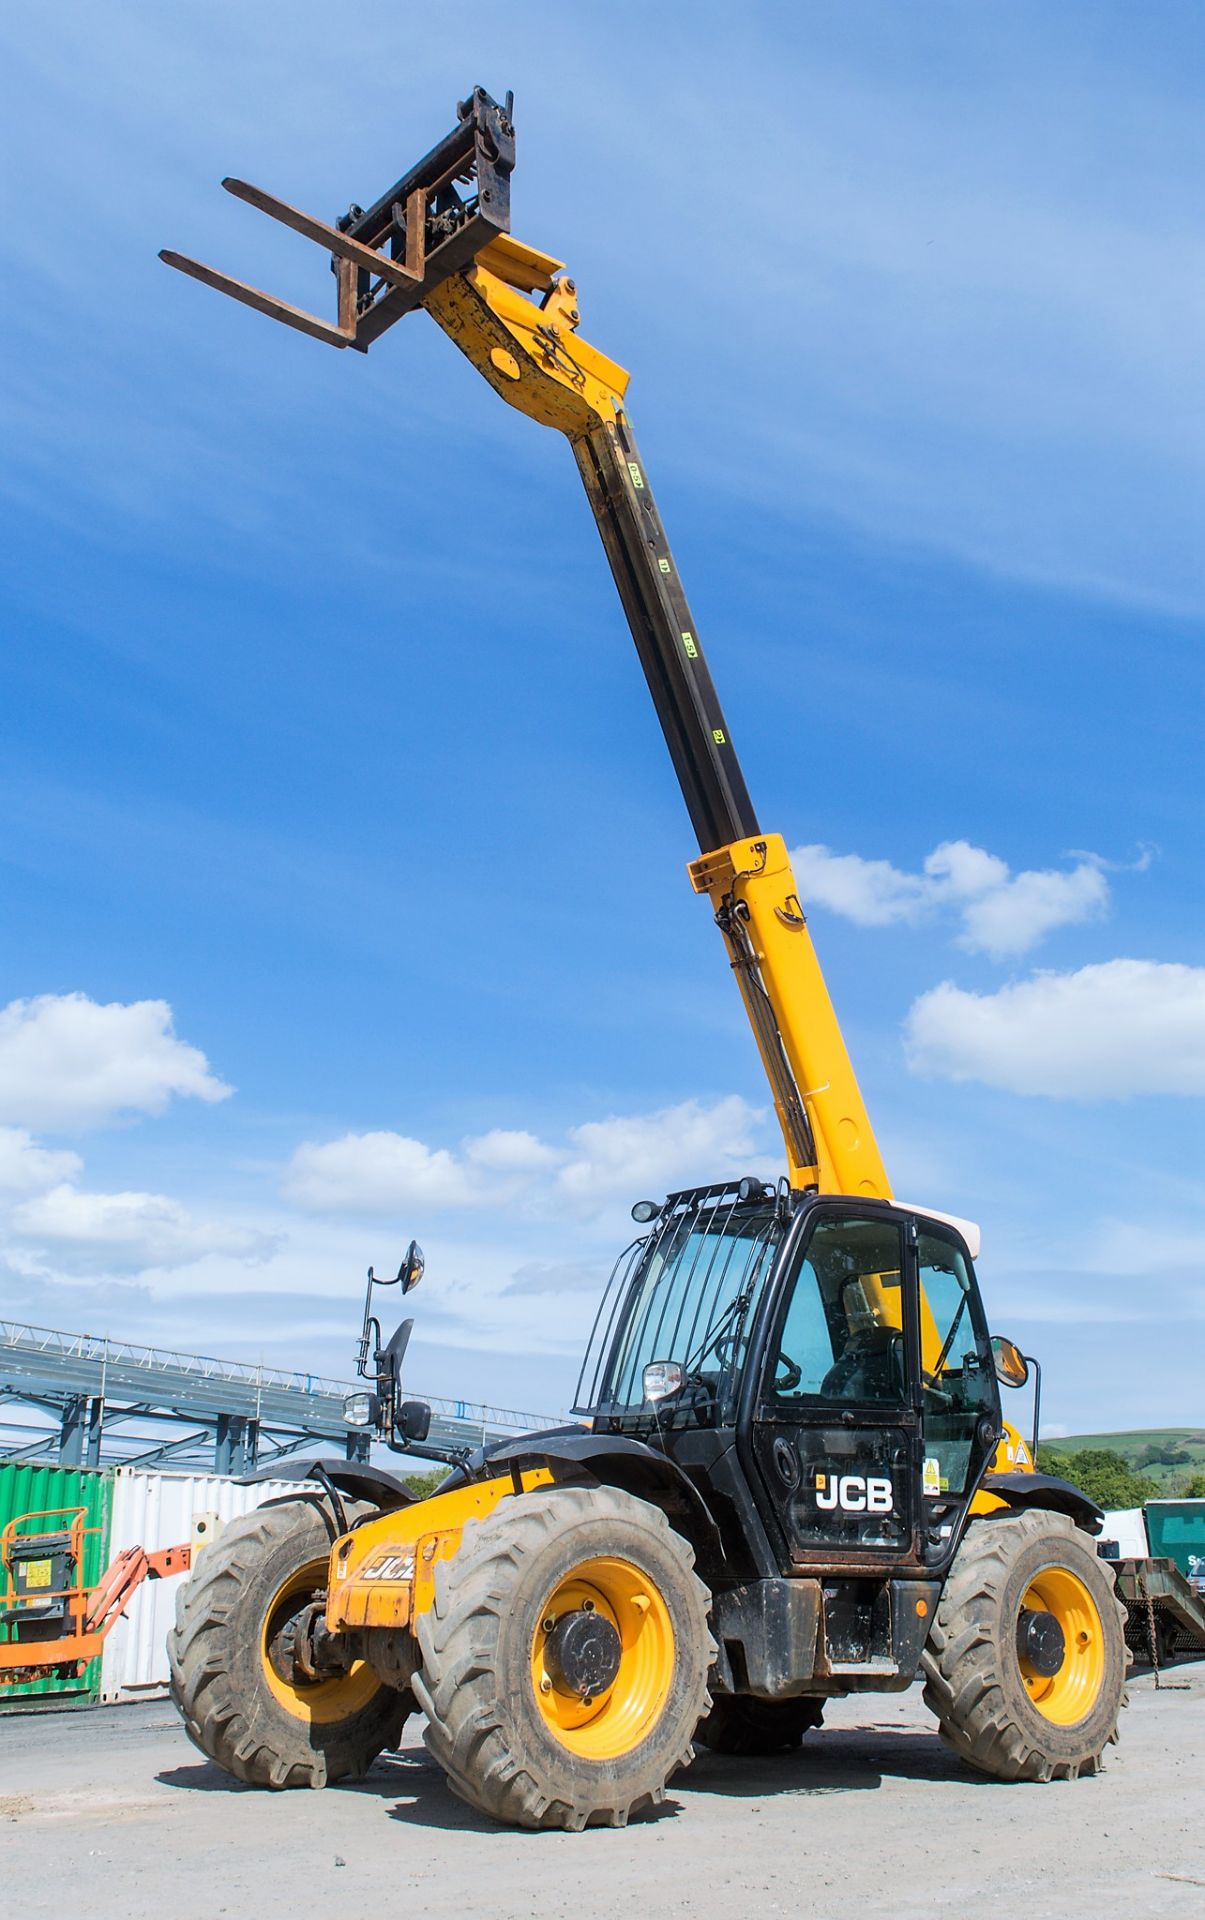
(661,1379)
(408,1275)
(1012,1368)
(412,1268)
(413,1420)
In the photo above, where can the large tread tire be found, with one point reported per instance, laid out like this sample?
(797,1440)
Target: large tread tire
(217,1671)
(485,1725)
(742,1724)
(973,1676)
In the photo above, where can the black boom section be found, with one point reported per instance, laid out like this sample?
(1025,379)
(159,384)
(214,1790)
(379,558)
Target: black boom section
(667,641)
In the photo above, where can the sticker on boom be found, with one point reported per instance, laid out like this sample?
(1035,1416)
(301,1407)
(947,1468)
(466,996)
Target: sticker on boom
(689,647)
(853,1493)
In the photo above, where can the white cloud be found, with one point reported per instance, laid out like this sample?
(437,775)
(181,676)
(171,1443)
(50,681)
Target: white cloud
(25,1167)
(1105,1032)
(68,1062)
(871,893)
(128,1232)
(642,1156)
(1013,917)
(623,1157)
(375,1173)
(510,1152)
(1002,913)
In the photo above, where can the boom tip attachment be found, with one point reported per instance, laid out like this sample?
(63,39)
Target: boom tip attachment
(432,223)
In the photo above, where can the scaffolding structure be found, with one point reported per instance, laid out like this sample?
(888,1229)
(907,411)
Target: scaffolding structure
(83,1401)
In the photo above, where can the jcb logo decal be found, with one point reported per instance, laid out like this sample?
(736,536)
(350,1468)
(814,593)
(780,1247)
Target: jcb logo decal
(854,1494)
(394,1566)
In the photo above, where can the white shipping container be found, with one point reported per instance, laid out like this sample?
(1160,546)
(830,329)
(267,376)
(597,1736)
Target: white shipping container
(1127,1525)
(155,1510)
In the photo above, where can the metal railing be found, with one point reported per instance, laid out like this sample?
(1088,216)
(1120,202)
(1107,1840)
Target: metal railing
(64,1374)
(103,1353)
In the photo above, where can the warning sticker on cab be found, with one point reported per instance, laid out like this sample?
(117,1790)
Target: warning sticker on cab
(38,1573)
(932,1479)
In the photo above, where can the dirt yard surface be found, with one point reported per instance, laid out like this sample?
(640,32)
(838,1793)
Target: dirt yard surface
(112,1813)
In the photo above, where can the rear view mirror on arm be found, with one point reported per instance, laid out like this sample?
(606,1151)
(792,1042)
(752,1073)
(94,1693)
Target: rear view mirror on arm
(1012,1368)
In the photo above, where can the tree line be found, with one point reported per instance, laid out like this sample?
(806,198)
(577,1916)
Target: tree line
(1109,1479)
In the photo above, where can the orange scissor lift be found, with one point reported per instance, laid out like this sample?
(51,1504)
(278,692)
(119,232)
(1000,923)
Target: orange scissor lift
(55,1622)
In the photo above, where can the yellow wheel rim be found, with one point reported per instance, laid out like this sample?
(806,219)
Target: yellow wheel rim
(1070,1694)
(321,1702)
(615,1721)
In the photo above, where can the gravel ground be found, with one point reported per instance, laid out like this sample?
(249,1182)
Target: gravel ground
(112,1813)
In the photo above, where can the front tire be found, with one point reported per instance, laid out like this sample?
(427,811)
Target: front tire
(1026,1661)
(242,1703)
(565,1659)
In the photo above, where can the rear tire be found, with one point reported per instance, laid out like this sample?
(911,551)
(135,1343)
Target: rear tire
(995,1708)
(237,1707)
(514,1744)
(741,1724)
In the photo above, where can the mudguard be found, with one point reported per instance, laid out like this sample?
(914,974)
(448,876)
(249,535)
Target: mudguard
(354,1477)
(617,1462)
(1043,1490)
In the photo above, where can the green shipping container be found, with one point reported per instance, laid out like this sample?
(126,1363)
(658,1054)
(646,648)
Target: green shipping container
(32,1489)
(1176,1531)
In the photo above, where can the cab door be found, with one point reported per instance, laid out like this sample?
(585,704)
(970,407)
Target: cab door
(835,1424)
(960,1399)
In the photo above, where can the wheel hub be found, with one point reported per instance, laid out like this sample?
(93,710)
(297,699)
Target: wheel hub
(582,1654)
(285,1650)
(301,1650)
(1041,1642)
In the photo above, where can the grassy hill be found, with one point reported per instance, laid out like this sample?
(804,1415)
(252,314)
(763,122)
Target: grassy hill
(1167,1454)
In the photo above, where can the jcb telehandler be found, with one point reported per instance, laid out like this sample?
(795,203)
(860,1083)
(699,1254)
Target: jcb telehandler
(791,1478)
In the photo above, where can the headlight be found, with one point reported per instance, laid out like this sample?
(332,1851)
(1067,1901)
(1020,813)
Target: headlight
(662,1379)
(360,1410)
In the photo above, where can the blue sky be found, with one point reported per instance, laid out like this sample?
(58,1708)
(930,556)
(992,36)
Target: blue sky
(343,868)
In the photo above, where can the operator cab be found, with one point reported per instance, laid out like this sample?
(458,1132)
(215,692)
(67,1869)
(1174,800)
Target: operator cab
(838,1343)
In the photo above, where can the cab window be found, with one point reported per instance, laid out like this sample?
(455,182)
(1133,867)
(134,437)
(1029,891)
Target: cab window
(840,1337)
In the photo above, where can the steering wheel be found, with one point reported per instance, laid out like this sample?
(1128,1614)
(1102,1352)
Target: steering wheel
(727,1350)
(787,1376)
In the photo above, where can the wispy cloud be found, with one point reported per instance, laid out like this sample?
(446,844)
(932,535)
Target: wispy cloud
(599,1162)
(116,1233)
(937,328)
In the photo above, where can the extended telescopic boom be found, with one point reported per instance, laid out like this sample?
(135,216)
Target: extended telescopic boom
(439,239)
